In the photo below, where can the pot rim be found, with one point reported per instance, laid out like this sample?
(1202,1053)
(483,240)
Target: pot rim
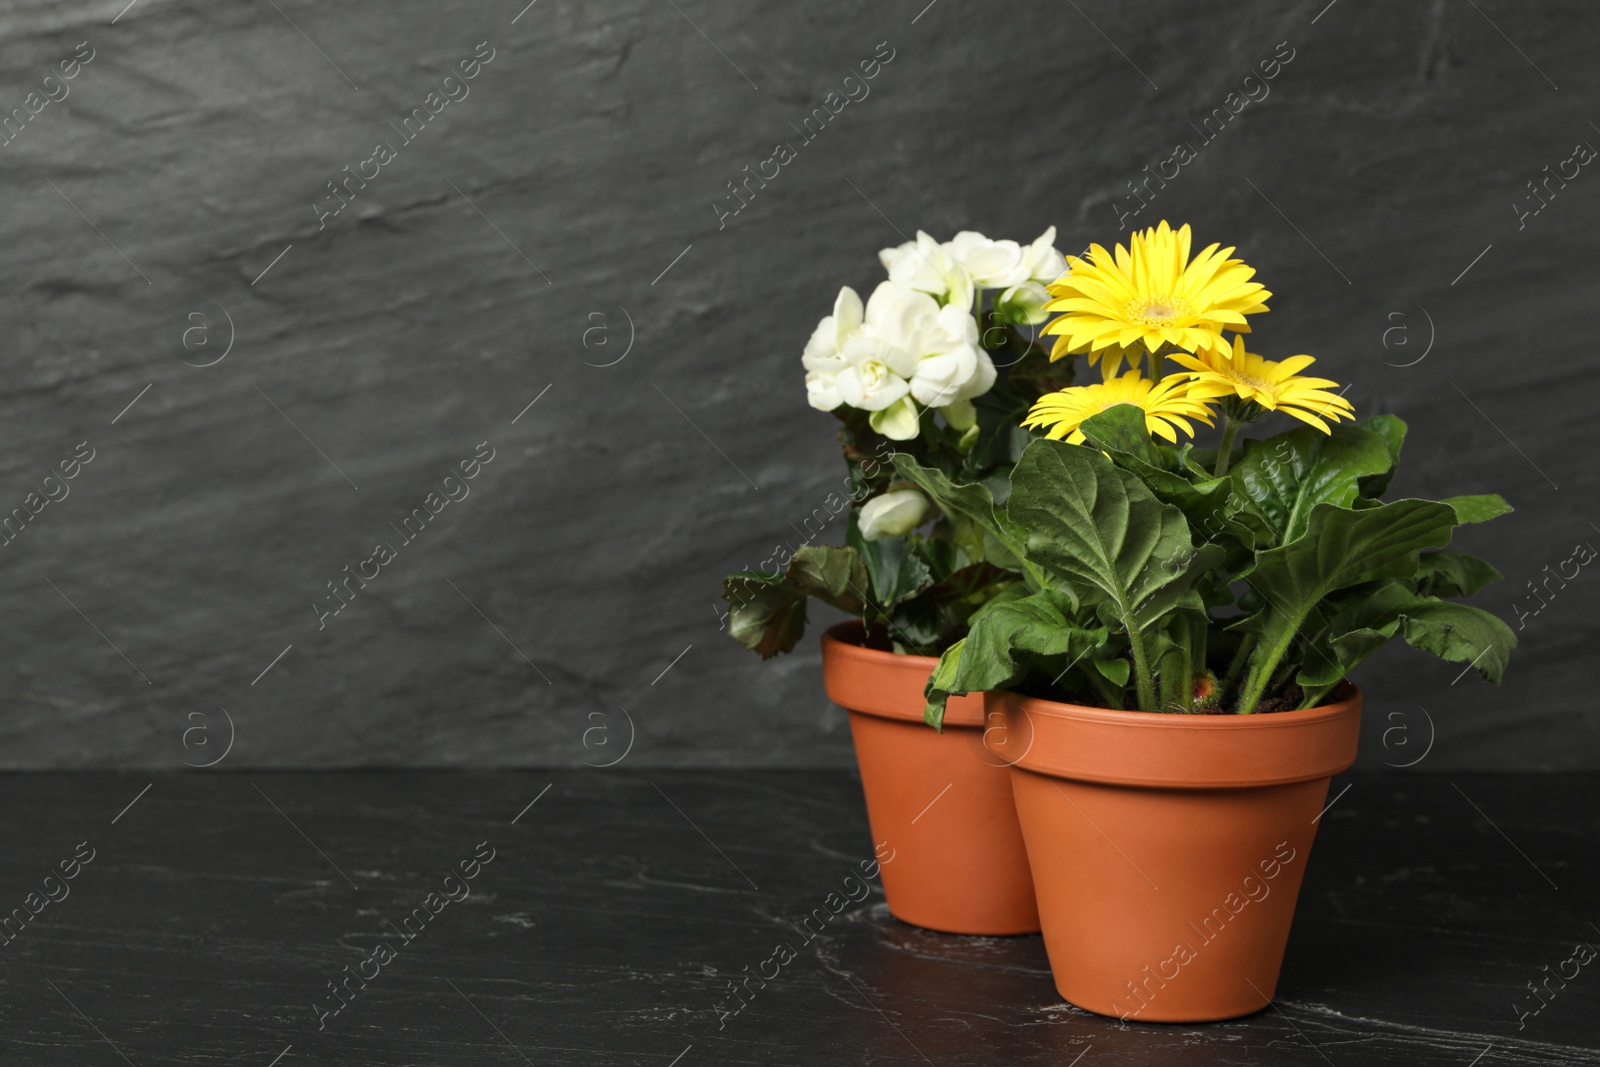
(849,634)
(1164,720)
(895,688)
(1176,751)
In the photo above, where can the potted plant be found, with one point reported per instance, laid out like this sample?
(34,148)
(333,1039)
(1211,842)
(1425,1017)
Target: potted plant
(1171,671)
(933,366)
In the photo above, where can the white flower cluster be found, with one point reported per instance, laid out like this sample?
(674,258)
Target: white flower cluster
(916,340)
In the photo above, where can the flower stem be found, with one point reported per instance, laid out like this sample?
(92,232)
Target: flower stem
(1230,430)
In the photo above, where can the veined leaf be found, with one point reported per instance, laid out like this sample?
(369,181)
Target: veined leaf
(1341,547)
(1217,512)
(1356,629)
(994,653)
(1462,633)
(1098,530)
(971,500)
(1288,475)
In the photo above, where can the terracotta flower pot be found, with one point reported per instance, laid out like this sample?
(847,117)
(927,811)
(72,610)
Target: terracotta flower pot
(1167,850)
(950,851)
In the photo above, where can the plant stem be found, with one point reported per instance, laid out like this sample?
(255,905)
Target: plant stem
(1185,683)
(1265,667)
(1247,645)
(1230,430)
(1314,695)
(1144,681)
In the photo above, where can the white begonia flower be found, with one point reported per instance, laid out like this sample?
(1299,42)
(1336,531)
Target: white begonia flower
(1044,264)
(902,347)
(992,264)
(936,349)
(928,268)
(824,355)
(894,514)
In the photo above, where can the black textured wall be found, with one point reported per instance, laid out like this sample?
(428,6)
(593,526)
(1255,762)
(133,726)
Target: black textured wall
(552,237)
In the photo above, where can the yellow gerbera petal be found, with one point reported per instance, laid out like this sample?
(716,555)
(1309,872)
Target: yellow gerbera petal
(1166,404)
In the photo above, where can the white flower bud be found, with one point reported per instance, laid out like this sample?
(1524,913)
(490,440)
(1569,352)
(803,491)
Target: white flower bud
(893,514)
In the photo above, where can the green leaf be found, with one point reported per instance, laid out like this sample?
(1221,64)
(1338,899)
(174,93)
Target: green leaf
(1215,510)
(1122,428)
(767,612)
(970,500)
(1455,632)
(1358,627)
(1393,431)
(896,572)
(1341,547)
(1449,574)
(1003,633)
(1099,531)
(1462,633)
(1479,508)
(1288,475)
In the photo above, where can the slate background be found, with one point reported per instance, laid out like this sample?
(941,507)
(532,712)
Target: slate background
(596,141)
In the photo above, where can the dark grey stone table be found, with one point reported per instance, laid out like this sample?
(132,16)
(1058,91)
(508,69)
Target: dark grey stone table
(614,908)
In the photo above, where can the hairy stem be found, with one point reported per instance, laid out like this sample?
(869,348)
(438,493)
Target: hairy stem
(1144,679)
(1264,665)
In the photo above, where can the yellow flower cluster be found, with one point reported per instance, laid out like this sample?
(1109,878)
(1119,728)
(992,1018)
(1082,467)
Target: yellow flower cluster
(1151,300)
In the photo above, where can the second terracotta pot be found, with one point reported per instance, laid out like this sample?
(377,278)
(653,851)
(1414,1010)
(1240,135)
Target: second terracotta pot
(949,848)
(1167,850)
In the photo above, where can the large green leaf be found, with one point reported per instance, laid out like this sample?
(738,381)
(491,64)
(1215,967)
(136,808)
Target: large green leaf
(1448,574)
(1217,512)
(1004,634)
(1100,532)
(1357,626)
(1341,548)
(1456,632)
(1461,633)
(1288,475)
(767,612)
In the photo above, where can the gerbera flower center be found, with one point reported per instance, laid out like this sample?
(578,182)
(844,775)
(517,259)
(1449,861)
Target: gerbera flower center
(1157,310)
(1262,384)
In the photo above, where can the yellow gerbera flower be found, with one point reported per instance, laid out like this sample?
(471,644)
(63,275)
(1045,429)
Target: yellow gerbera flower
(1274,385)
(1151,292)
(1166,404)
